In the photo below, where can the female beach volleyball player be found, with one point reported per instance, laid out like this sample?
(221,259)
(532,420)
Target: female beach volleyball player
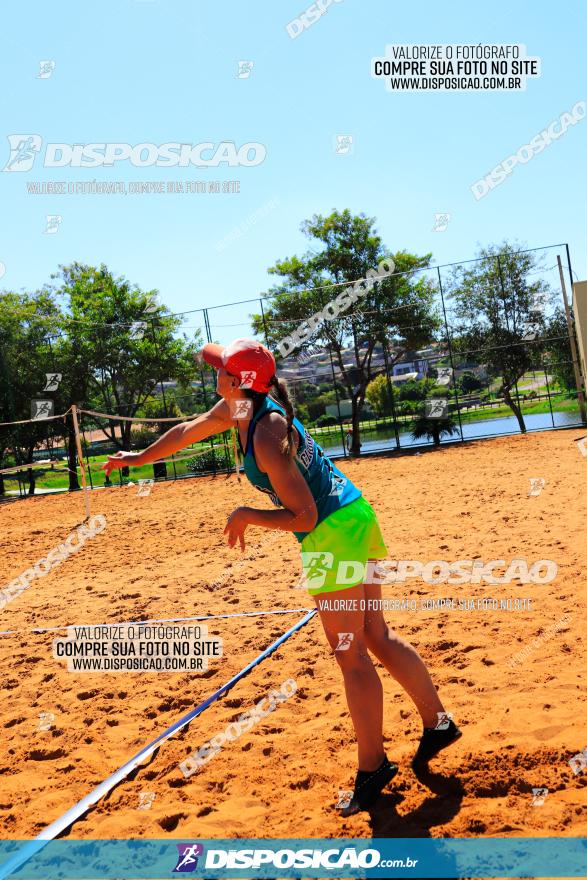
(335,525)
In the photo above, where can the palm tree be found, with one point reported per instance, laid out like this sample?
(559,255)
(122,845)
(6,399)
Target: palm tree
(433,428)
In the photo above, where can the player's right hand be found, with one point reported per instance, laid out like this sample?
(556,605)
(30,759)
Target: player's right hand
(120,460)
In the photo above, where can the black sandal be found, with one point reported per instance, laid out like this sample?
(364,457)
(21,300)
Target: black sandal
(368,786)
(433,741)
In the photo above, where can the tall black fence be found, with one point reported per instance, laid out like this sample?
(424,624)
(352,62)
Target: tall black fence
(489,338)
(421,357)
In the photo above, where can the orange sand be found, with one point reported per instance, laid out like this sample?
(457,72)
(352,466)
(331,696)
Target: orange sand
(156,559)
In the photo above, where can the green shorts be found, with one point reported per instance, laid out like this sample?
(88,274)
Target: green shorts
(335,553)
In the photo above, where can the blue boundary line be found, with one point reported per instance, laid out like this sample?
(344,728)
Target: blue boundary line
(68,818)
(15,632)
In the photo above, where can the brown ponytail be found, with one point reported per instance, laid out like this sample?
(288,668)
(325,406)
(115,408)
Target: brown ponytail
(288,444)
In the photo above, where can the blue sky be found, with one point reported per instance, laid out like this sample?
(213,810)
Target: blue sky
(158,71)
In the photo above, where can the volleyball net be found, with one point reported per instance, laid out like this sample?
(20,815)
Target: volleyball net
(67,452)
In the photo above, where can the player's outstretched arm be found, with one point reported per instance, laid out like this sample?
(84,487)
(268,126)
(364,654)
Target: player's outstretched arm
(215,421)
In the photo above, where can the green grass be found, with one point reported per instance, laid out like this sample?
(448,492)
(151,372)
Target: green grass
(59,479)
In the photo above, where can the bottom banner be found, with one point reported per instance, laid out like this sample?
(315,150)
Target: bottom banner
(305,857)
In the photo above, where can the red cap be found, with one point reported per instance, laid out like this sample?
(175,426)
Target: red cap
(246,359)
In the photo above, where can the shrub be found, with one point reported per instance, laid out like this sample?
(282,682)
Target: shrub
(469,382)
(211,461)
(316,408)
(409,407)
(140,438)
(325,421)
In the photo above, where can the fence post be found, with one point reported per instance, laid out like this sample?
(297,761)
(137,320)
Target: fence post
(337,403)
(580,314)
(390,389)
(342,437)
(579,290)
(452,365)
(207,325)
(264,322)
(209,339)
(508,326)
(236,458)
(165,410)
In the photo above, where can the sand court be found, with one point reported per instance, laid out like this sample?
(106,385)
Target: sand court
(508,658)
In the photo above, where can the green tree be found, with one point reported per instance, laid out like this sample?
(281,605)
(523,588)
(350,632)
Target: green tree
(378,395)
(495,303)
(27,325)
(70,361)
(396,310)
(302,413)
(416,390)
(559,358)
(126,341)
(155,408)
(468,382)
(316,408)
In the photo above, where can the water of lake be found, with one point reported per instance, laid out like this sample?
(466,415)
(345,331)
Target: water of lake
(384,439)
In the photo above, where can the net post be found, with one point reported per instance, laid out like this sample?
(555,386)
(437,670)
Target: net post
(81,460)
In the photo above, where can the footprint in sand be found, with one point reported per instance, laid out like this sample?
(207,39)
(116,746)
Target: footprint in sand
(87,695)
(234,703)
(170,823)
(544,733)
(46,754)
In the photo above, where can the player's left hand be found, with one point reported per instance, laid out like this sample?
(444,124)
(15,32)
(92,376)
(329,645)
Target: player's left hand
(236,525)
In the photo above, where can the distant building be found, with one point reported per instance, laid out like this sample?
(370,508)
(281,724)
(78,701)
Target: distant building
(414,370)
(316,367)
(478,370)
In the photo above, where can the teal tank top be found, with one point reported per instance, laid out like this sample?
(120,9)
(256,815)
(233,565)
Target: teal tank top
(330,488)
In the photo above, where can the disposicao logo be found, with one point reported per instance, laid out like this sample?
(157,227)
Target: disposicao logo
(24,149)
(187,860)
